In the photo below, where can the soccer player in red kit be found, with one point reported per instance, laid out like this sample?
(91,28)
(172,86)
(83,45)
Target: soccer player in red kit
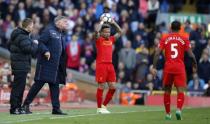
(105,72)
(174,44)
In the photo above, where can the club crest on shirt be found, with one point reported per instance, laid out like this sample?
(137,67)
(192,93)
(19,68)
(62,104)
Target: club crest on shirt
(107,43)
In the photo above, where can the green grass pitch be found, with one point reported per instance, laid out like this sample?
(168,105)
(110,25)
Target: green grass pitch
(119,115)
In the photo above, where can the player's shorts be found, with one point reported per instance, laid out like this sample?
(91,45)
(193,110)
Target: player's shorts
(179,79)
(105,73)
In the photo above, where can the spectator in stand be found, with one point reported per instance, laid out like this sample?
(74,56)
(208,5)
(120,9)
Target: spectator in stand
(92,70)
(127,56)
(196,84)
(177,5)
(121,73)
(88,49)
(208,47)
(207,92)
(143,7)
(20,13)
(164,6)
(2,34)
(83,67)
(8,27)
(142,31)
(204,66)
(149,84)
(73,51)
(127,97)
(141,64)
(153,7)
(114,13)
(138,42)
(187,26)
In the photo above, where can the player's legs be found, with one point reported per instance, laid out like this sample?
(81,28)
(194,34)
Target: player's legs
(99,94)
(180,102)
(111,78)
(110,93)
(167,101)
(167,83)
(101,76)
(180,84)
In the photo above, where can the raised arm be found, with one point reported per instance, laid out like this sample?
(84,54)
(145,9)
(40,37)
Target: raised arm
(98,28)
(117,27)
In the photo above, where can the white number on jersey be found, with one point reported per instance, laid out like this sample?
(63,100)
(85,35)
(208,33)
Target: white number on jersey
(174,49)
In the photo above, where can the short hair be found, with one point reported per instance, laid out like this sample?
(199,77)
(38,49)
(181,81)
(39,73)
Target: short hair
(175,25)
(59,18)
(105,26)
(26,22)
(106,9)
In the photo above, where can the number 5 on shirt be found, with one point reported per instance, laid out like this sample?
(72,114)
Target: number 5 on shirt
(174,50)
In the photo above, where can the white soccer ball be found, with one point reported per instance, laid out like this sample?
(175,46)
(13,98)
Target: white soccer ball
(106,17)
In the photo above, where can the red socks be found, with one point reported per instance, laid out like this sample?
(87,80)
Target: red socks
(109,95)
(99,97)
(167,103)
(180,100)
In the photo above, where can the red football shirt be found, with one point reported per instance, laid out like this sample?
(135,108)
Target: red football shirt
(104,49)
(174,45)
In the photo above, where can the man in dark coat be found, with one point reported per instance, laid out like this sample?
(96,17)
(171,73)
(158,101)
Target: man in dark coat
(21,48)
(51,64)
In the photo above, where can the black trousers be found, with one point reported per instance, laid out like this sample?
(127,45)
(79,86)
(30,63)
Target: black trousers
(54,92)
(18,87)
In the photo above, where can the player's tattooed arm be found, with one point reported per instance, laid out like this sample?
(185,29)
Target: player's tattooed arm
(191,54)
(98,28)
(155,60)
(117,27)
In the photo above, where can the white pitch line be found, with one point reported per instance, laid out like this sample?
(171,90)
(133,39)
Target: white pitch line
(73,116)
(25,120)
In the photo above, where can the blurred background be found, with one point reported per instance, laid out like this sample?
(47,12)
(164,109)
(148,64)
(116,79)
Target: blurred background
(143,23)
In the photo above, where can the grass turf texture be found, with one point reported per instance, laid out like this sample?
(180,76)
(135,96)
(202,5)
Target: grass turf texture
(120,115)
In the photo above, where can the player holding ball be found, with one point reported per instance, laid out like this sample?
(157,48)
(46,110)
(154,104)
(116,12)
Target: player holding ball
(105,72)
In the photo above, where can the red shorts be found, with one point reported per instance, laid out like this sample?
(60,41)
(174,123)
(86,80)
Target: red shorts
(105,73)
(179,79)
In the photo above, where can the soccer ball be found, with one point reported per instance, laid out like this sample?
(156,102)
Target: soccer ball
(106,17)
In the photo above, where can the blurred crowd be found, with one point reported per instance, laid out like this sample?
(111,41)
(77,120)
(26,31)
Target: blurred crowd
(133,52)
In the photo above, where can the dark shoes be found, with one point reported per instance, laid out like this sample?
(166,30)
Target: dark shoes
(58,112)
(17,111)
(26,109)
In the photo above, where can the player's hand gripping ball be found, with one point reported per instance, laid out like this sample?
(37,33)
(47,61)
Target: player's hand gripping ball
(106,17)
